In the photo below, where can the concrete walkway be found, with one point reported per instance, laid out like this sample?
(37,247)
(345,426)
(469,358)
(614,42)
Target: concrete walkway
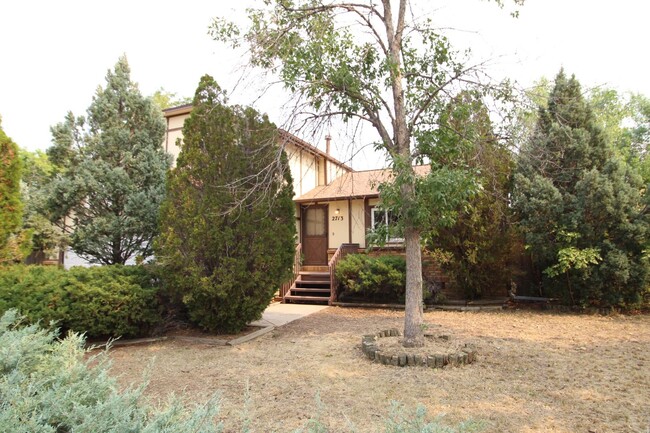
(278,314)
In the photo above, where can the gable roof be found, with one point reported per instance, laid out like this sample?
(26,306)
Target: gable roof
(356,184)
(287,137)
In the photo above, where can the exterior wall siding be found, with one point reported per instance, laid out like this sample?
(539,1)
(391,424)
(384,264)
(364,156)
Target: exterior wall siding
(173,134)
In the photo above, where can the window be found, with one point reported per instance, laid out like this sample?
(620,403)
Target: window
(382,220)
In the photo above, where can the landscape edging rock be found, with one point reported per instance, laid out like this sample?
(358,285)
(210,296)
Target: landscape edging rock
(372,351)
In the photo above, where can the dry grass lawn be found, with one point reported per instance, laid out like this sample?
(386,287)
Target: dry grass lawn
(536,372)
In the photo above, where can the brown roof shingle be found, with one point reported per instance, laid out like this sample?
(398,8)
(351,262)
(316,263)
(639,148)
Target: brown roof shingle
(355,184)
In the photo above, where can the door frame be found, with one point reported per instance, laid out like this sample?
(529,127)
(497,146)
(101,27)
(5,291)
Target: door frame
(303,231)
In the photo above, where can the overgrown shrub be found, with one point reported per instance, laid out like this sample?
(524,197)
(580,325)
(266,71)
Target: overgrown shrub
(381,277)
(107,301)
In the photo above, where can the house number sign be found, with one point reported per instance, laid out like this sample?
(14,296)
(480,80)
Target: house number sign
(337,218)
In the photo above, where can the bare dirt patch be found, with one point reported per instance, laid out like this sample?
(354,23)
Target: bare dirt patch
(535,372)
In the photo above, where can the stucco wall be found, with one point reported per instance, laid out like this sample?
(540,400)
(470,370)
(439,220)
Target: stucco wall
(339,229)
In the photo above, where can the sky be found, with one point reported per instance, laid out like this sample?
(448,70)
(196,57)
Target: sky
(54,54)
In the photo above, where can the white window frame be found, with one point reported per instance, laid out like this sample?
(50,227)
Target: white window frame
(379,215)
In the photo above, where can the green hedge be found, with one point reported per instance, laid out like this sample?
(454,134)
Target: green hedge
(106,301)
(382,277)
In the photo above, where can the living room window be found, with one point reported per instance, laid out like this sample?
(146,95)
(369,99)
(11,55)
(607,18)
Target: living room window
(382,220)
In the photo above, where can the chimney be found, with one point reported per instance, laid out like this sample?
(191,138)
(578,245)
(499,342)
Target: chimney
(328,139)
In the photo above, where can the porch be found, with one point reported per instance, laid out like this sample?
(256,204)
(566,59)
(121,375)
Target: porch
(315,283)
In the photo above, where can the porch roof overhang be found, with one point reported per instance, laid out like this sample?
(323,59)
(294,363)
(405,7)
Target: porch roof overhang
(354,185)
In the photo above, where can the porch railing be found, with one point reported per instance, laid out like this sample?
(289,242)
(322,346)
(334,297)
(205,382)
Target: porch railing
(297,258)
(340,253)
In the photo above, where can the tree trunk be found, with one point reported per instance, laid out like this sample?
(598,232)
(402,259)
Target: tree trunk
(413,317)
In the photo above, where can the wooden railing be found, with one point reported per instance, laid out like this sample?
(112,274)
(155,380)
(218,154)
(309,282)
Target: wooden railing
(297,259)
(340,253)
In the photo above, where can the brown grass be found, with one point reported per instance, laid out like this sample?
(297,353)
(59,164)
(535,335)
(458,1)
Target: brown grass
(536,372)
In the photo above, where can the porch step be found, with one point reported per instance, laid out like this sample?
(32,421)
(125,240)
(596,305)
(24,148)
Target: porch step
(312,286)
(314,274)
(307,268)
(313,283)
(307,299)
(325,290)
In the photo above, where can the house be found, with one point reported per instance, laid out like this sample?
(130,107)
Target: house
(336,207)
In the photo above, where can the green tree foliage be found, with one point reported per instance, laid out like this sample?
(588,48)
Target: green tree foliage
(38,173)
(165,99)
(580,206)
(15,242)
(625,120)
(228,226)
(477,246)
(391,70)
(113,175)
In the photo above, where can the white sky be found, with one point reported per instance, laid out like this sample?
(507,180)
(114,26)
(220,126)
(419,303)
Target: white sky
(54,54)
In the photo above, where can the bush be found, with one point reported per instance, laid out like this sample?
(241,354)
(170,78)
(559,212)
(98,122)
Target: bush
(46,386)
(374,277)
(107,301)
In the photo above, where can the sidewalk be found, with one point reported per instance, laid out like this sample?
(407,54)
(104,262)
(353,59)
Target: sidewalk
(278,314)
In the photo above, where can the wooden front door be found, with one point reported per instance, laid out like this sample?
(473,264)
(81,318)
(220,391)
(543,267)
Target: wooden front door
(314,235)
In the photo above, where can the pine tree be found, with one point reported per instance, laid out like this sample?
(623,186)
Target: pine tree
(15,243)
(113,172)
(579,206)
(228,224)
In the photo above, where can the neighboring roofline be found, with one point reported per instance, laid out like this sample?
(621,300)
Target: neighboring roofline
(187,108)
(311,148)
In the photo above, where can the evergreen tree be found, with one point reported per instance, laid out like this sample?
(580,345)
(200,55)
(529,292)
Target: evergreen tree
(580,206)
(228,224)
(113,175)
(15,243)
(475,249)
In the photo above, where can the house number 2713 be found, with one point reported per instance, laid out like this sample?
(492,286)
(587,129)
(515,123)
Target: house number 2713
(337,218)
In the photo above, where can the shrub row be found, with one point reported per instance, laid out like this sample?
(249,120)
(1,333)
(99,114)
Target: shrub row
(104,301)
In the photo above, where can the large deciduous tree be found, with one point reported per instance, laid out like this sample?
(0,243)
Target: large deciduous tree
(373,62)
(113,172)
(14,242)
(580,206)
(227,237)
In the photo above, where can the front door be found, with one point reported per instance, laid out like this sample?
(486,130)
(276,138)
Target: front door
(314,235)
